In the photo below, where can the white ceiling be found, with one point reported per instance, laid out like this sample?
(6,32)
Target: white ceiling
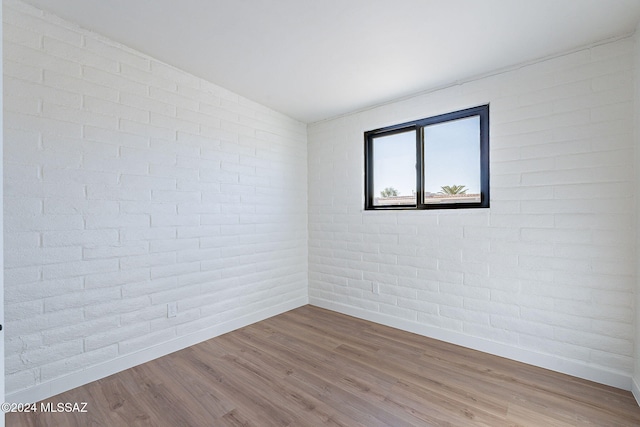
(316,59)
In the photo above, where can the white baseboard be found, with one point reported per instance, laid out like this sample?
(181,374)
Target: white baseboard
(93,373)
(553,363)
(96,372)
(635,390)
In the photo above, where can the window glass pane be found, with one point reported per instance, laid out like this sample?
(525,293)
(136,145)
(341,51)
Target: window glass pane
(452,161)
(394,169)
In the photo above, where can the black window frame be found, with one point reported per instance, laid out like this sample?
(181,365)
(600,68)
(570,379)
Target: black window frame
(417,125)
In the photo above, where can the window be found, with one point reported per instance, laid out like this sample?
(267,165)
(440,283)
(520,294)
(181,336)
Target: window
(440,162)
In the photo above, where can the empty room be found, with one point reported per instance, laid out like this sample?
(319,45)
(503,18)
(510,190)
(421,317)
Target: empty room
(305,213)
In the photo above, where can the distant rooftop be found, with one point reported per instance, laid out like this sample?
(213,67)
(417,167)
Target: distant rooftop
(429,198)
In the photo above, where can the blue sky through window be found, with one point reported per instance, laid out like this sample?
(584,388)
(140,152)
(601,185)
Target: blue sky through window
(394,163)
(452,155)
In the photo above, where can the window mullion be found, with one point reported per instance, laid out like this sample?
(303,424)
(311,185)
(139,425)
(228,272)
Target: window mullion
(419,167)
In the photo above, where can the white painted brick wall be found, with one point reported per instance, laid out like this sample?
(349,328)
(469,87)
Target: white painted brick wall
(130,184)
(550,268)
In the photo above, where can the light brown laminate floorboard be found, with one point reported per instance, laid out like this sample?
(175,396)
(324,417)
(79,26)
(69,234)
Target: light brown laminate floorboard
(313,367)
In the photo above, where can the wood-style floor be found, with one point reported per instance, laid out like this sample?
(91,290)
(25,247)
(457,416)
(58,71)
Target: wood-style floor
(312,367)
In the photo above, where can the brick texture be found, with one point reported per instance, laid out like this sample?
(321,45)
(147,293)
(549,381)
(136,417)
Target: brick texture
(130,184)
(550,267)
